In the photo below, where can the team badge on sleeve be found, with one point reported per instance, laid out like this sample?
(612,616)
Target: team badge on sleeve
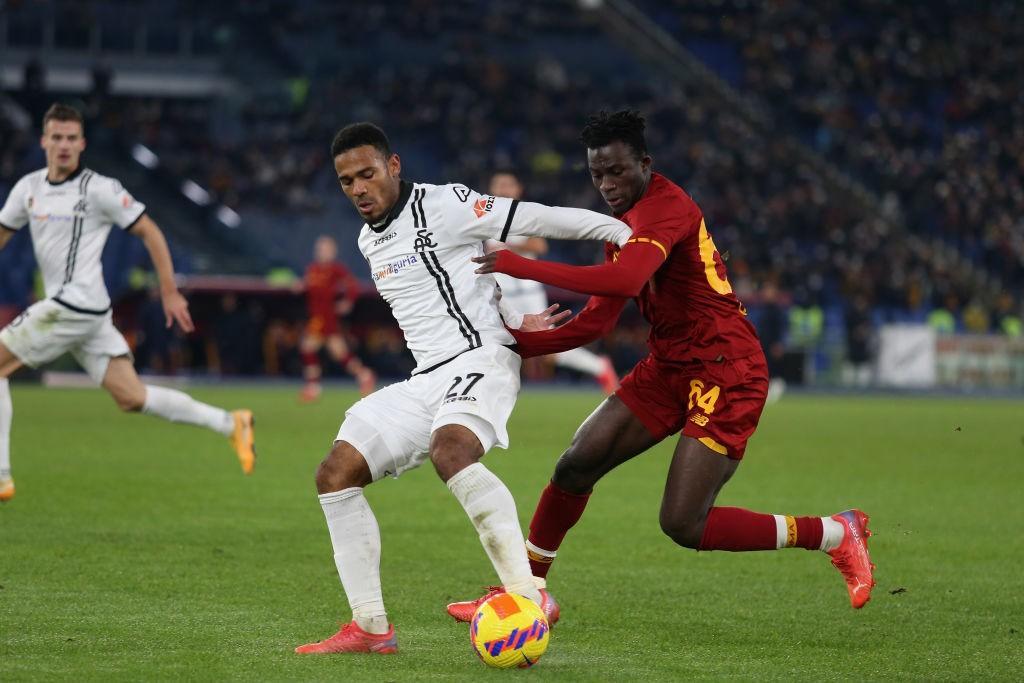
(483,205)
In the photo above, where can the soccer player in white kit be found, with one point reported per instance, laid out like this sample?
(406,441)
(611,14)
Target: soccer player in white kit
(529,295)
(418,240)
(70,210)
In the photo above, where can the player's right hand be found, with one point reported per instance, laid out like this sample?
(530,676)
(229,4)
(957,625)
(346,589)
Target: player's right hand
(176,311)
(545,320)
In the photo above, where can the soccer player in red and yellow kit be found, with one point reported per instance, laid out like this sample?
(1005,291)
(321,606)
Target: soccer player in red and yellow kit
(705,374)
(325,280)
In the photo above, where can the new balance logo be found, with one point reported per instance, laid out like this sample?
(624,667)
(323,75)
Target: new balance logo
(700,420)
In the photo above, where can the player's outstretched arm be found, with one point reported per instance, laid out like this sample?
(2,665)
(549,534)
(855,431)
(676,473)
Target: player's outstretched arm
(562,222)
(175,305)
(624,277)
(595,321)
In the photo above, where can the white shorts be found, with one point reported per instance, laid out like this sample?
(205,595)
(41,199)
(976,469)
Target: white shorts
(392,427)
(525,296)
(47,330)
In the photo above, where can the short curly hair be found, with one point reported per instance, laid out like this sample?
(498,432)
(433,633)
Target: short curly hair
(359,134)
(604,128)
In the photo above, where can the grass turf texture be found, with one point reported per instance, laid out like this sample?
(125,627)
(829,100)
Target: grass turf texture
(136,550)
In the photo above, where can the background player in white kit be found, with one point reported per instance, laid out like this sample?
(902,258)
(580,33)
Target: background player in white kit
(530,295)
(418,240)
(70,210)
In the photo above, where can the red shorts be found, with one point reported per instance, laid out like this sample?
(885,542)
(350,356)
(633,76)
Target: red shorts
(323,326)
(717,403)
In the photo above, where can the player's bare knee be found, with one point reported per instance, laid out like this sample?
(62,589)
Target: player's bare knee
(129,402)
(685,530)
(572,475)
(344,467)
(452,449)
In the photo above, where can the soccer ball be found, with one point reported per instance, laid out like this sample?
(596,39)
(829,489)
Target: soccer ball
(509,630)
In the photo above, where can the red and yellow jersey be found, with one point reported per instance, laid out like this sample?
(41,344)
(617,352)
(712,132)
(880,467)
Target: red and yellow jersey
(689,302)
(325,283)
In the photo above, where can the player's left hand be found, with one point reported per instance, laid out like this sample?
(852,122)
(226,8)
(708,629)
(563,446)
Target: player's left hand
(488,262)
(545,320)
(176,311)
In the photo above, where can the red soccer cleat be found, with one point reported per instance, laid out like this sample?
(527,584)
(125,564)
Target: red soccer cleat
(6,489)
(351,638)
(464,611)
(310,392)
(607,378)
(851,558)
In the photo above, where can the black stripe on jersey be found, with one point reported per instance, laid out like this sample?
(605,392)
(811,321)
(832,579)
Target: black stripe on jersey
(77,309)
(475,341)
(135,222)
(508,221)
(440,275)
(444,295)
(76,234)
(83,184)
(418,206)
(416,194)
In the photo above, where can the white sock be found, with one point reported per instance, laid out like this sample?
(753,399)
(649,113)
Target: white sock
(491,508)
(356,540)
(580,359)
(6,413)
(177,406)
(785,532)
(832,533)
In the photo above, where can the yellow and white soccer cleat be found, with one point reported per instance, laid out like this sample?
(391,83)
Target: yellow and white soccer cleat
(243,439)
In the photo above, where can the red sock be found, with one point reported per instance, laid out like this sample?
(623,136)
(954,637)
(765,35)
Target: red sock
(737,529)
(557,512)
(310,359)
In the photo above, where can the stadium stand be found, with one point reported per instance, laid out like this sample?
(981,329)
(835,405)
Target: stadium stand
(867,90)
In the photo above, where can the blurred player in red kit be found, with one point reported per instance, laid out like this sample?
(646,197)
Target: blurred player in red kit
(325,280)
(705,374)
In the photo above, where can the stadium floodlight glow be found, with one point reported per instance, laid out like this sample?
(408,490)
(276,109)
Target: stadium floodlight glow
(228,217)
(197,194)
(145,156)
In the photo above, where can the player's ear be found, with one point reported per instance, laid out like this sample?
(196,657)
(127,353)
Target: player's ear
(394,166)
(645,162)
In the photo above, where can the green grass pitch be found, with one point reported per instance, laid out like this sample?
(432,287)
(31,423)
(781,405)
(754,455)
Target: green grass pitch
(136,550)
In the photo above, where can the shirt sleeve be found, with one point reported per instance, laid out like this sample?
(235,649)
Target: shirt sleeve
(15,215)
(474,216)
(595,321)
(662,223)
(623,277)
(115,203)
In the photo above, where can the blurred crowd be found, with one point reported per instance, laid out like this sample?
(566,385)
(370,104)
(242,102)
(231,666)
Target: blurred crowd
(921,102)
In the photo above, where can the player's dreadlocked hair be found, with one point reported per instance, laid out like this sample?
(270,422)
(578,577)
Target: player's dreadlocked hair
(604,128)
(359,134)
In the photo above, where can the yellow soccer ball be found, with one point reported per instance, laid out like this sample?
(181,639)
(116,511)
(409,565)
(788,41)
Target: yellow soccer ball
(509,630)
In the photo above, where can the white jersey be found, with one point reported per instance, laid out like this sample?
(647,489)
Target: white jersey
(419,257)
(69,222)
